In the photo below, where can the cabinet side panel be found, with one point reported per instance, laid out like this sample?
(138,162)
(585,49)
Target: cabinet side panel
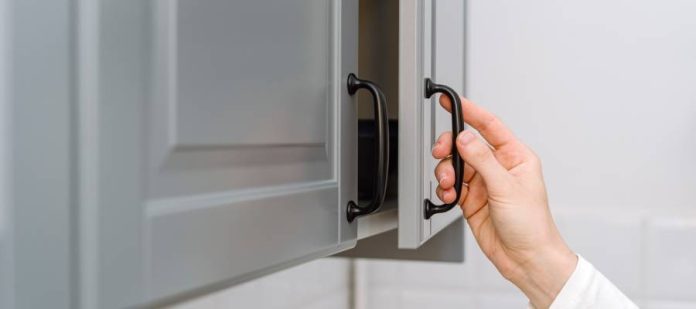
(6,203)
(41,87)
(347,138)
(410,123)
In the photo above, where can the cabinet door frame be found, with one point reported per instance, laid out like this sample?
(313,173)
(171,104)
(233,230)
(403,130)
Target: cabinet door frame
(37,209)
(421,120)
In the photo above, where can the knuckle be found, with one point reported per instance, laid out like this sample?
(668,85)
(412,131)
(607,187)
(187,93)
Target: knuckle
(488,122)
(445,138)
(534,158)
(442,166)
(449,196)
(478,152)
(510,159)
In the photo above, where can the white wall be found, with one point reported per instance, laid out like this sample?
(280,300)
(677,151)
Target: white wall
(605,92)
(319,284)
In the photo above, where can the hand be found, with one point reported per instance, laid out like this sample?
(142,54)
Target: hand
(504,201)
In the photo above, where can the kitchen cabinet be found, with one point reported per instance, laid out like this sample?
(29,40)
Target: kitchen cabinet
(209,142)
(402,43)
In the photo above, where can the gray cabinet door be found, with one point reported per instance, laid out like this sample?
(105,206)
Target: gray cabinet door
(217,142)
(431,45)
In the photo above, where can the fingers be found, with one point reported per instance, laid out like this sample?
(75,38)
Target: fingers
(444,172)
(446,195)
(443,146)
(476,198)
(481,158)
(490,127)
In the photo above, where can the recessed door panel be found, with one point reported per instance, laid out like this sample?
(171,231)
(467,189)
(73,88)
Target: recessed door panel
(248,66)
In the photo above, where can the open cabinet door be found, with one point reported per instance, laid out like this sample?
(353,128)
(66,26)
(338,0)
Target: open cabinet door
(431,47)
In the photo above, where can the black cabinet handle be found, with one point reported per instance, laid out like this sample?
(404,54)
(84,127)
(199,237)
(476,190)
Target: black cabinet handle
(457,127)
(381,148)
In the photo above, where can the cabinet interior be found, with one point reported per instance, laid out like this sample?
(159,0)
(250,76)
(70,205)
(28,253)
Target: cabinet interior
(378,57)
(378,61)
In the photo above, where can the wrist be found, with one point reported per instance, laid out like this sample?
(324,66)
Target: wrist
(542,276)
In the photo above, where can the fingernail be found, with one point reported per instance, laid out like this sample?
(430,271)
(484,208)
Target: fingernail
(437,144)
(465,137)
(449,196)
(442,177)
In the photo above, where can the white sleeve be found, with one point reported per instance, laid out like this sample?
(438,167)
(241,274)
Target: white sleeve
(588,288)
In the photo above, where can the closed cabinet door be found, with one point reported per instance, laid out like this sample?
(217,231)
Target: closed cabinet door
(431,63)
(217,143)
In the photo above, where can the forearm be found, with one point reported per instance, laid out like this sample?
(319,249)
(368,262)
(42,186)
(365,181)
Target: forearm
(543,276)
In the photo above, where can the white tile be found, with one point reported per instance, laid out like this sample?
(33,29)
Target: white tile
(437,298)
(383,272)
(398,298)
(295,287)
(476,273)
(338,299)
(610,240)
(392,298)
(384,298)
(437,275)
(668,305)
(671,258)
(501,300)
(332,272)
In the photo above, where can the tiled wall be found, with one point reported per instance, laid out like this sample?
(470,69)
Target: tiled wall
(474,284)
(320,284)
(650,258)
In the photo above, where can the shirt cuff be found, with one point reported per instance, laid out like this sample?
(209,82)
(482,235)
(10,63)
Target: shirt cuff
(573,292)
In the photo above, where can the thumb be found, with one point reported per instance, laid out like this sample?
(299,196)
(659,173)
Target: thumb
(481,158)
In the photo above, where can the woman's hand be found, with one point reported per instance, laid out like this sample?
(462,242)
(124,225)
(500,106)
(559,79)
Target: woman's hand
(504,201)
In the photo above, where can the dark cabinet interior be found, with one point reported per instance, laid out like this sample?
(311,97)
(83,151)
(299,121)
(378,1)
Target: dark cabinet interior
(378,61)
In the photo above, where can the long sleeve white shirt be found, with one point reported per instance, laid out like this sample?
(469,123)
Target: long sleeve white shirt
(588,288)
